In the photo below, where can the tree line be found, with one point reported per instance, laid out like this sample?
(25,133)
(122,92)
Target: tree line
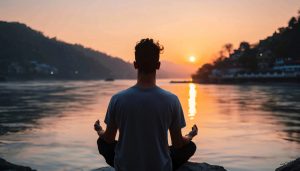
(284,44)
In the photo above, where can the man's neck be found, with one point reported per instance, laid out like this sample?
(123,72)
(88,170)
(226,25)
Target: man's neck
(146,80)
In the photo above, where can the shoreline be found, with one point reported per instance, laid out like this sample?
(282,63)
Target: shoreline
(235,82)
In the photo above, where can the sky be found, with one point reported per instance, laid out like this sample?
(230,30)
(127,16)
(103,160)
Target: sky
(185,28)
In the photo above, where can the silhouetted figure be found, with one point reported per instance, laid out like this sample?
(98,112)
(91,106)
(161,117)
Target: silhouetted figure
(143,114)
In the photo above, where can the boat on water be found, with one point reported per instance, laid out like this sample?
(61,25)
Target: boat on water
(109,79)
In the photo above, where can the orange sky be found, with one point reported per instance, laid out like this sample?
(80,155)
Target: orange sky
(184,27)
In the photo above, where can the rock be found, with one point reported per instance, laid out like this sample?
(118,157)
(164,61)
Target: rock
(104,169)
(6,166)
(290,166)
(190,166)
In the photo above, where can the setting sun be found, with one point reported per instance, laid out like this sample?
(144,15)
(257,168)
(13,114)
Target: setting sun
(192,59)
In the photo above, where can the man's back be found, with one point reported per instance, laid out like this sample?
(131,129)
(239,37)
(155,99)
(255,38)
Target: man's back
(143,117)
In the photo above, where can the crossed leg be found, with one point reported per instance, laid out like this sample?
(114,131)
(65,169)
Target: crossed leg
(179,156)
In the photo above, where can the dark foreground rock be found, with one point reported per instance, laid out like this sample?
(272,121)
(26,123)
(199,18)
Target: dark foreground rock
(190,166)
(291,166)
(200,167)
(6,166)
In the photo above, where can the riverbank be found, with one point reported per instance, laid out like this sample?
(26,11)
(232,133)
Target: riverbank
(242,80)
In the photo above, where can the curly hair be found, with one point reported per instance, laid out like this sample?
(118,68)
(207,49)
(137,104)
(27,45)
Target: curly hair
(147,55)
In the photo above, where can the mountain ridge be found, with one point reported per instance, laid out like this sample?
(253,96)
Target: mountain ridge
(28,54)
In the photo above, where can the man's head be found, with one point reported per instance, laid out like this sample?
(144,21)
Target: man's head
(147,56)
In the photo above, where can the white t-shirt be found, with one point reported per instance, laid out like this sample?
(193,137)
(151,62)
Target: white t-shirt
(143,117)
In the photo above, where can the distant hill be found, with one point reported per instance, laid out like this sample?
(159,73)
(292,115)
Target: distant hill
(28,54)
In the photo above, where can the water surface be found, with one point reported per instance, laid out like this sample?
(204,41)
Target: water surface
(49,125)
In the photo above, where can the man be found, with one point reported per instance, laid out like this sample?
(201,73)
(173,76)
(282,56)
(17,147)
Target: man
(143,114)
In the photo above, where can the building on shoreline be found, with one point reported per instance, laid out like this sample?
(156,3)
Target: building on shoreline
(282,71)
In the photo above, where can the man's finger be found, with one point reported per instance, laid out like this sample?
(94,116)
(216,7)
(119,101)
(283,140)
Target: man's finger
(194,131)
(195,127)
(97,123)
(97,126)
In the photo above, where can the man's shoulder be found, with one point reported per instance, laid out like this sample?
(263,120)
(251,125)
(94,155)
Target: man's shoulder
(123,93)
(167,93)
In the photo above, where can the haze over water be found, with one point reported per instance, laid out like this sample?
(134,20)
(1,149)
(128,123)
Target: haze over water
(49,125)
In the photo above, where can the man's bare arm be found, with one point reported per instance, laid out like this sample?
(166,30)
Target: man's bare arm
(109,134)
(178,140)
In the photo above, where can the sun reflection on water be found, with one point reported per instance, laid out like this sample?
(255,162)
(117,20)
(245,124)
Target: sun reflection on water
(192,101)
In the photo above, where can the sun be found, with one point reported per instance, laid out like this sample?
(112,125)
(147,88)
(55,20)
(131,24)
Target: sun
(192,59)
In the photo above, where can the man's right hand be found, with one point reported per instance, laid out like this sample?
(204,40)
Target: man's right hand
(97,126)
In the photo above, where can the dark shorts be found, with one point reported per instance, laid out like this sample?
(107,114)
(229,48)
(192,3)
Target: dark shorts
(179,155)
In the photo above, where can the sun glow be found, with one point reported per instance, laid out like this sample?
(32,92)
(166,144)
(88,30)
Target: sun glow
(192,59)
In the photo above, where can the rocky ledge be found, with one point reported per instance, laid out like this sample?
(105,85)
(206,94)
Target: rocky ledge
(190,166)
(6,166)
(290,166)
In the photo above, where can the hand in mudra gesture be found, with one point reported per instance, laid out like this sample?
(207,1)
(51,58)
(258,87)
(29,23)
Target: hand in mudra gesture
(194,131)
(98,127)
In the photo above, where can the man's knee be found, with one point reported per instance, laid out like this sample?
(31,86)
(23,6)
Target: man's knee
(98,141)
(105,147)
(181,155)
(100,145)
(189,149)
(192,147)
(107,150)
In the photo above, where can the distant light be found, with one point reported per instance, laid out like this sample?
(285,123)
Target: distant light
(260,54)
(51,72)
(76,72)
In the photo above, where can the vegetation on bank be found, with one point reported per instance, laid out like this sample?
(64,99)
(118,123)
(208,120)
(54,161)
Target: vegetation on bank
(280,49)
(28,54)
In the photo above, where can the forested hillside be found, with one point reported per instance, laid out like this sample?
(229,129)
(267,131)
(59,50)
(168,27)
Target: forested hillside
(28,54)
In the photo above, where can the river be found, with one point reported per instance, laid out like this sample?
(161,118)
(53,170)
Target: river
(49,125)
